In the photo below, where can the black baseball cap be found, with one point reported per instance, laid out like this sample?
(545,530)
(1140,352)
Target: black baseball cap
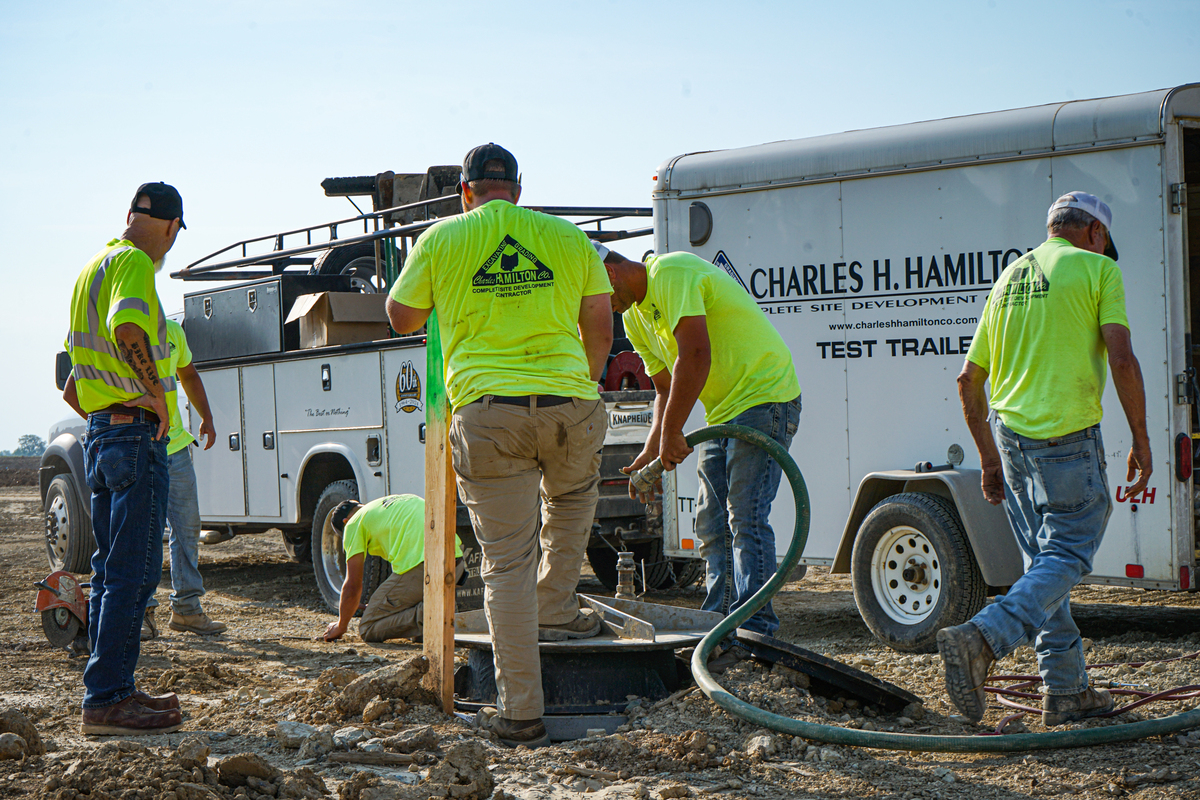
(342,513)
(473,164)
(165,202)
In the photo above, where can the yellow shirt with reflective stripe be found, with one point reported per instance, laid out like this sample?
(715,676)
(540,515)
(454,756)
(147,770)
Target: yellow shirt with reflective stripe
(1039,338)
(393,528)
(507,283)
(751,364)
(117,286)
(181,356)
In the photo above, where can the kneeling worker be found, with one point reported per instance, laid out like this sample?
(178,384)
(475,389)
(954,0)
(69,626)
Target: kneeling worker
(393,528)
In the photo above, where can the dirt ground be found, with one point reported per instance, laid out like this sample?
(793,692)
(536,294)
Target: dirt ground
(238,687)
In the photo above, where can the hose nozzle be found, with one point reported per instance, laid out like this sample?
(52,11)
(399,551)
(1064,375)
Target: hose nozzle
(646,480)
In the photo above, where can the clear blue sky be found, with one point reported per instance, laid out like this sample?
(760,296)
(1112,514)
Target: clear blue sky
(246,107)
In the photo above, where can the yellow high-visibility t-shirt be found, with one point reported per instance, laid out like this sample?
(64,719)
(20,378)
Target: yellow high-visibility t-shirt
(750,365)
(393,528)
(181,356)
(117,286)
(1039,338)
(507,283)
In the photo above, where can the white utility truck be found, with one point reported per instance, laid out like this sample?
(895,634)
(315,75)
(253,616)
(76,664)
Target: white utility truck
(873,252)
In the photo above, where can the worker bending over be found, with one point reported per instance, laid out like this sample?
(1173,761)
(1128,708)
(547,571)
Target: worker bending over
(393,528)
(522,306)
(701,336)
(1047,325)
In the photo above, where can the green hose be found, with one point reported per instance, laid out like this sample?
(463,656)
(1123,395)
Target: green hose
(1083,737)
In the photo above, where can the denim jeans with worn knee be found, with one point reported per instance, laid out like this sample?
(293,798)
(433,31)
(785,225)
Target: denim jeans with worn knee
(738,483)
(127,472)
(183,523)
(1057,501)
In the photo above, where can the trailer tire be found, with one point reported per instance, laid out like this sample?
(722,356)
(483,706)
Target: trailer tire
(914,572)
(355,260)
(69,539)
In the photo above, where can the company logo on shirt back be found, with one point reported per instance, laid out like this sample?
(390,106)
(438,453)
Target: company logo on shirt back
(512,270)
(1026,283)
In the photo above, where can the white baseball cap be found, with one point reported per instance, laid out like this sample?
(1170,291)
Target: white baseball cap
(1084,202)
(1090,204)
(601,249)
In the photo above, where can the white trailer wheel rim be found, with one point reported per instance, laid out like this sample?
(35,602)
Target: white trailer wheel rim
(907,601)
(57,527)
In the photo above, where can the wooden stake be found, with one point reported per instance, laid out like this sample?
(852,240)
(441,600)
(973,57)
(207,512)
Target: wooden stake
(440,509)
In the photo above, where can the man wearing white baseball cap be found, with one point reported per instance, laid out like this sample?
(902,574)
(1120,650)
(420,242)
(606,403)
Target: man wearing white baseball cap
(1049,324)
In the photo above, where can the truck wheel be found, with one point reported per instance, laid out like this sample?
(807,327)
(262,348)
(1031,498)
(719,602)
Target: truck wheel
(69,539)
(355,260)
(329,561)
(914,572)
(298,546)
(687,571)
(659,570)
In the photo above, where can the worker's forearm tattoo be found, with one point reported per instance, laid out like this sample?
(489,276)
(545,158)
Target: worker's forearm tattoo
(137,356)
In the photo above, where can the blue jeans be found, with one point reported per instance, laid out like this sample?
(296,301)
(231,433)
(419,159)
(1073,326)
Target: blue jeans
(183,523)
(738,482)
(1057,500)
(127,472)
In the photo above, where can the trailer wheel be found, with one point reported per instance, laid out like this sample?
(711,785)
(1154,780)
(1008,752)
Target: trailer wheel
(69,539)
(914,572)
(355,260)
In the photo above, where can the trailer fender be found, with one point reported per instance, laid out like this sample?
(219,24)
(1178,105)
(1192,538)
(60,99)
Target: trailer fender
(320,466)
(986,525)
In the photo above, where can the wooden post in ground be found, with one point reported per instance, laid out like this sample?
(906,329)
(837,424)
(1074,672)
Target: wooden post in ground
(440,507)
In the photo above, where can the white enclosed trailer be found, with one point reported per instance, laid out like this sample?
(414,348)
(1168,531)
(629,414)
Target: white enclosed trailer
(873,252)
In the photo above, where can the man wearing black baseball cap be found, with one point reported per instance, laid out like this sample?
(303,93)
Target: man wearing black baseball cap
(526,326)
(121,364)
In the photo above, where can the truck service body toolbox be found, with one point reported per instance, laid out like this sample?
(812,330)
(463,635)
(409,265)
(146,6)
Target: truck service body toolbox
(873,252)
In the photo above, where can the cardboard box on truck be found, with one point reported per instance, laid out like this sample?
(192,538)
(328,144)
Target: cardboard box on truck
(329,318)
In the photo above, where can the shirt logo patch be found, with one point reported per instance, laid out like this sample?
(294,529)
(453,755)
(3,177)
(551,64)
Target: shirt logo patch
(512,270)
(1026,283)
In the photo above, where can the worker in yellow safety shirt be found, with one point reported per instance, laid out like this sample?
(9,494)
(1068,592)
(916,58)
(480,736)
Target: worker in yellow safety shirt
(703,337)
(393,528)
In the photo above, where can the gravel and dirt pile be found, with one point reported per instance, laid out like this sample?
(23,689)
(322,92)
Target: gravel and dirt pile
(269,713)
(18,471)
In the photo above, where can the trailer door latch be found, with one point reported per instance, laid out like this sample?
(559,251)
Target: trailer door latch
(1185,387)
(1178,197)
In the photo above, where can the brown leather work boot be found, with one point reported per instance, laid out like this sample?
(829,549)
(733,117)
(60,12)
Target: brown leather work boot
(161,702)
(513,732)
(585,625)
(1060,708)
(196,623)
(967,659)
(129,718)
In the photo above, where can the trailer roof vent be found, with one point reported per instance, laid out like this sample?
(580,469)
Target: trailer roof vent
(699,223)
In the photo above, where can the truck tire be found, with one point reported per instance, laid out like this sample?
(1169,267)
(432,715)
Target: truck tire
(298,546)
(355,260)
(328,559)
(660,571)
(914,572)
(69,539)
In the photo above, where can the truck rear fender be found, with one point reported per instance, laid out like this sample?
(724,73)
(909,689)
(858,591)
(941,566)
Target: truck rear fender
(323,464)
(64,455)
(986,525)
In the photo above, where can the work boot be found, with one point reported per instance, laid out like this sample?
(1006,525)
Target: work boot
(585,625)
(129,718)
(967,658)
(196,623)
(149,626)
(513,732)
(732,655)
(160,702)
(1060,708)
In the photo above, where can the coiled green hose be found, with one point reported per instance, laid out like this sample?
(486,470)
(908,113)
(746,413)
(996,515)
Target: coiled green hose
(1083,737)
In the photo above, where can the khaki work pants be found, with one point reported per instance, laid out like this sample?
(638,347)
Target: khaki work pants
(527,474)
(396,609)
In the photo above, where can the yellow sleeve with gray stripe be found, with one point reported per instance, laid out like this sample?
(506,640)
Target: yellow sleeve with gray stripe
(116,287)
(180,356)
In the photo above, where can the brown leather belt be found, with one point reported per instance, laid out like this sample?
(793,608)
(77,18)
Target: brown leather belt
(137,412)
(543,400)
